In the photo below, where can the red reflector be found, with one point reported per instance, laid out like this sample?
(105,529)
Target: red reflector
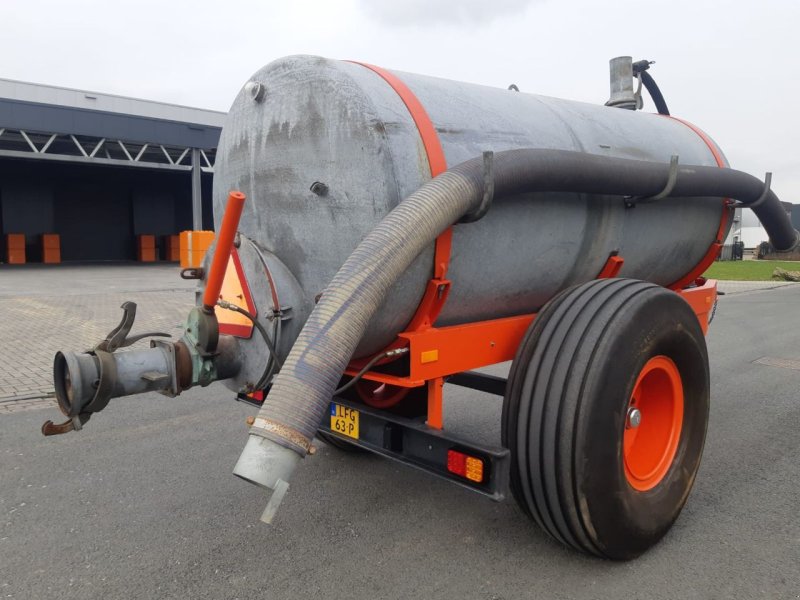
(456,462)
(465,466)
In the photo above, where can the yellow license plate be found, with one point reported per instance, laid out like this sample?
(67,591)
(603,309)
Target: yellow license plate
(344,420)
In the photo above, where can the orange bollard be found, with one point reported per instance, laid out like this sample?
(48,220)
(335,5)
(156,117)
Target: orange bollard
(219,264)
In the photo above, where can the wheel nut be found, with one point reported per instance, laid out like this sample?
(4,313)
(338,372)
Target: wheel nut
(634,418)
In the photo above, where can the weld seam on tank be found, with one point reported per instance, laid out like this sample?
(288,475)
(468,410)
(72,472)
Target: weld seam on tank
(301,393)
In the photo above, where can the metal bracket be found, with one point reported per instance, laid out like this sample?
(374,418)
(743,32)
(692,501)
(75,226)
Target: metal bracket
(72,424)
(762,198)
(672,178)
(118,337)
(281,314)
(193,273)
(488,190)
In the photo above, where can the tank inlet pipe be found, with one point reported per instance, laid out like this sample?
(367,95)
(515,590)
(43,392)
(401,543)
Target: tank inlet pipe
(86,382)
(291,414)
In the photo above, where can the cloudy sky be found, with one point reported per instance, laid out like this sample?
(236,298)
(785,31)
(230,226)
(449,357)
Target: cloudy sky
(732,67)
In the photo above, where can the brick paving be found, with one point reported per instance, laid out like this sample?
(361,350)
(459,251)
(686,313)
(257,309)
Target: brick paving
(73,308)
(38,321)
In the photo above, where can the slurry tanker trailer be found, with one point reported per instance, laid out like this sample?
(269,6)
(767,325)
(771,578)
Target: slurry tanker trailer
(381,234)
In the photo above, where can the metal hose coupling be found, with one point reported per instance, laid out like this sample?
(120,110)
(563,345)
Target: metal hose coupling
(85,382)
(268,464)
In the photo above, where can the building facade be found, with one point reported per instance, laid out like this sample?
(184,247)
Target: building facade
(100,170)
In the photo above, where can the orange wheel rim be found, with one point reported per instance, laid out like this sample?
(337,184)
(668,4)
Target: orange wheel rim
(380,395)
(653,433)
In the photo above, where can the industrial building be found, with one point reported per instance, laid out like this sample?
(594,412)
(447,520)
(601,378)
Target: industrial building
(95,172)
(752,233)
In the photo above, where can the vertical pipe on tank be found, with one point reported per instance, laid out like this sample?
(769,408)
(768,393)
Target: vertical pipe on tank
(622,95)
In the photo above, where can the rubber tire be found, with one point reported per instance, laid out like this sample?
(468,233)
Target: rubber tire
(565,409)
(335,442)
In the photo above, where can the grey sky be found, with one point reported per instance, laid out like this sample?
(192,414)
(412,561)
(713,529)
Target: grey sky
(730,66)
(424,13)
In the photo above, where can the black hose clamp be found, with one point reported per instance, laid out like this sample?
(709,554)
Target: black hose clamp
(762,198)
(488,190)
(672,178)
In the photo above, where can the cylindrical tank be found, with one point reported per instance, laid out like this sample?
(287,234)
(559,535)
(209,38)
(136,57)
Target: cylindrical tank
(304,120)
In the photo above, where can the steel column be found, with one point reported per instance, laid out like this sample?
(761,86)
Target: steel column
(197,195)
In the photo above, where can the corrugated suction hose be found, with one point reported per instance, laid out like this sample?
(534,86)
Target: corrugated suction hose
(301,392)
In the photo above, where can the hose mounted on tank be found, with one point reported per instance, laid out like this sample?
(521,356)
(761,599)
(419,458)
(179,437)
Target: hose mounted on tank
(282,432)
(640,68)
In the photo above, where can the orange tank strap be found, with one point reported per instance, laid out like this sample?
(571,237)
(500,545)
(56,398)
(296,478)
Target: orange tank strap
(436,293)
(727,214)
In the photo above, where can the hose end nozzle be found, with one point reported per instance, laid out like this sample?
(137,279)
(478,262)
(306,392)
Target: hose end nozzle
(268,465)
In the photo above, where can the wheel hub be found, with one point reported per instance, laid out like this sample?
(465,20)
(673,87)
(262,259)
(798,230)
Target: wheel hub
(634,418)
(650,445)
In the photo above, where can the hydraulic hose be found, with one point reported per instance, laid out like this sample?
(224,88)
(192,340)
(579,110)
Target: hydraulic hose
(301,392)
(655,93)
(640,68)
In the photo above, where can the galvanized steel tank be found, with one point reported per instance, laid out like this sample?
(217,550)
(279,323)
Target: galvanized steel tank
(304,120)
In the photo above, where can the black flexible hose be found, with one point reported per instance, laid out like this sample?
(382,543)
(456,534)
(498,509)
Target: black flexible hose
(640,68)
(270,346)
(357,377)
(269,369)
(655,93)
(301,392)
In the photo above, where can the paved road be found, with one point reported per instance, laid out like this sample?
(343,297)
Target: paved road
(46,308)
(141,504)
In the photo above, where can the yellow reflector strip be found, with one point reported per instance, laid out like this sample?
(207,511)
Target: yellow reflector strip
(474,469)
(429,356)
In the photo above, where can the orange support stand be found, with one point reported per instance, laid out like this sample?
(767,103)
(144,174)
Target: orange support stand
(612,267)
(435,408)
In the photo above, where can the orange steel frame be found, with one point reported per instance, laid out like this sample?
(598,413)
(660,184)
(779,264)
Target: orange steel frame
(438,352)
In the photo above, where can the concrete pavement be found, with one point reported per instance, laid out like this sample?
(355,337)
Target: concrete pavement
(142,504)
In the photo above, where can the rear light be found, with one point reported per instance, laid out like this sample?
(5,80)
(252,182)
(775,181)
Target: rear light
(463,465)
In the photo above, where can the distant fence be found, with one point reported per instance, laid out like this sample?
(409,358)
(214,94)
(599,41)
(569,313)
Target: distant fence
(733,251)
